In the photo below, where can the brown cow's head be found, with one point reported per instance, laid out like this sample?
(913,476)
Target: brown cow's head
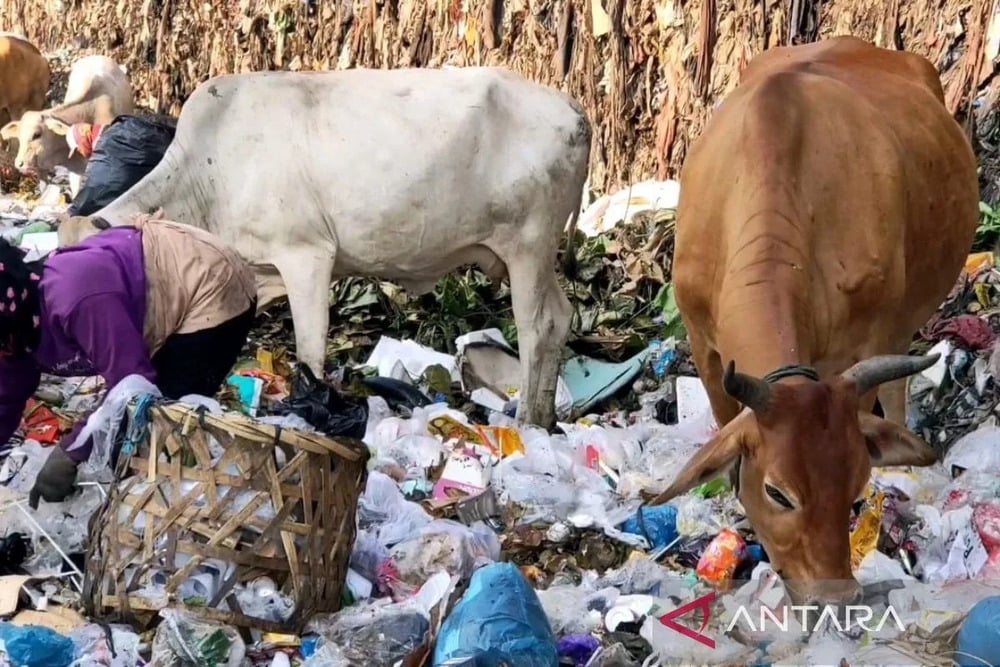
(41,142)
(804,454)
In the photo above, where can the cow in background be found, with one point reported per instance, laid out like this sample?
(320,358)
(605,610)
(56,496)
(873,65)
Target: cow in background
(98,90)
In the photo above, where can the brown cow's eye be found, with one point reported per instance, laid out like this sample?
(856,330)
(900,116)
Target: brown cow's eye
(778,496)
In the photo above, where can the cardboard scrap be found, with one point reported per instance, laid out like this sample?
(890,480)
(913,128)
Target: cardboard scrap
(61,619)
(10,592)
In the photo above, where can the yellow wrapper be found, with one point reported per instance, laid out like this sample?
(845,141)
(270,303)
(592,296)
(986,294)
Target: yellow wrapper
(500,440)
(864,539)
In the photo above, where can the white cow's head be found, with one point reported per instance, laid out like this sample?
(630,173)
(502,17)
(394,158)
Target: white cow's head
(41,142)
(75,229)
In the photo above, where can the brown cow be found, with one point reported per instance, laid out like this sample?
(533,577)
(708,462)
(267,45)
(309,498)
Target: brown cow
(24,78)
(825,213)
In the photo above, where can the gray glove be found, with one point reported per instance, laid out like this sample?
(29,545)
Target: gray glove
(56,480)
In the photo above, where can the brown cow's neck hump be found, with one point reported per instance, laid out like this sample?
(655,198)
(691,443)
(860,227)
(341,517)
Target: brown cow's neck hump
(764,310)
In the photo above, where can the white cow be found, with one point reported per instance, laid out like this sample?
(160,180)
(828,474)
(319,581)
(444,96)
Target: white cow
(404,175)
(98,90)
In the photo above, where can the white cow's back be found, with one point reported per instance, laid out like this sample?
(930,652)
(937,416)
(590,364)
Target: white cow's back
(93,76)
(397,171)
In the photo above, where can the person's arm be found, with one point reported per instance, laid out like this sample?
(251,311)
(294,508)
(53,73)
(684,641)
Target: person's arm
(101,327)
(19,379)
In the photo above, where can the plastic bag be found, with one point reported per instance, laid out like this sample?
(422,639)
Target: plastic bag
(442,545)
(185,641)
(397,393)
(642,576)
(324,408)
(499,620)
(94,650)
(386,513)
(128,149)
(987,519)
(35,646)
(375,634)
(979,637)
(573,610)
(549,482)
(103,425)
(384,518)
(978,450)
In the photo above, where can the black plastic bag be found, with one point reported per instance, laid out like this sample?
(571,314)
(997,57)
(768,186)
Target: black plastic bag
(397,394)
(128,149)
(324,408)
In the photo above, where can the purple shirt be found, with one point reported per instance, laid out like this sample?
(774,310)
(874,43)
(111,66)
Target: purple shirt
(93,303)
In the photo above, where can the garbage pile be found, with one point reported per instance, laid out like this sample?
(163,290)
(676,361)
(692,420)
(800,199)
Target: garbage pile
(482,541)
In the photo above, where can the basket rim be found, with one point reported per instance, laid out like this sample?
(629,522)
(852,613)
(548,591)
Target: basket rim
(347,448)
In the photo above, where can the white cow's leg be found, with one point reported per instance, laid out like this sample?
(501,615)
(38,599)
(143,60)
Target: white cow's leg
(307,277)
(543,315)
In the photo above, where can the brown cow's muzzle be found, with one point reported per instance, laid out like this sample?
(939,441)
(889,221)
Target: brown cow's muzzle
(820,592)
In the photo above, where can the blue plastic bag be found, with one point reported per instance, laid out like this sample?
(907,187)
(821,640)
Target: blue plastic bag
(658,524)
(979,637)
(499,621)
(36,646)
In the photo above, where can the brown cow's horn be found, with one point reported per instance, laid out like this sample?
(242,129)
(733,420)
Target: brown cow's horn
(752,392)
(873,372)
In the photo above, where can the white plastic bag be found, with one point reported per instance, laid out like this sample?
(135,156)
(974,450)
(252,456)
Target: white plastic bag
(104,423)
(441,546)
(978,450)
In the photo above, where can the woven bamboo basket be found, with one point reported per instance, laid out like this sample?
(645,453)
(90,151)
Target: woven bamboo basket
(251,499)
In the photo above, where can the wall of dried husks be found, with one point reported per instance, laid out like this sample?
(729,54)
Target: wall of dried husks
(648,71)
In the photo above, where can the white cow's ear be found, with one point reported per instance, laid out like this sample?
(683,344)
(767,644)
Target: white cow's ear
(56,126)
(713,459)
(10,130)
(889,444)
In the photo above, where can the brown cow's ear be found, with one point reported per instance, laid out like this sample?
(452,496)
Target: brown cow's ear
(712,459)
(889,444)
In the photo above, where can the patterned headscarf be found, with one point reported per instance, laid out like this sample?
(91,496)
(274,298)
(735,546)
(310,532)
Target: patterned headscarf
(20,305)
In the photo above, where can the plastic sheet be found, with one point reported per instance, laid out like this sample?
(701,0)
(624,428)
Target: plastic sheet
(499,620)
(35,646)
